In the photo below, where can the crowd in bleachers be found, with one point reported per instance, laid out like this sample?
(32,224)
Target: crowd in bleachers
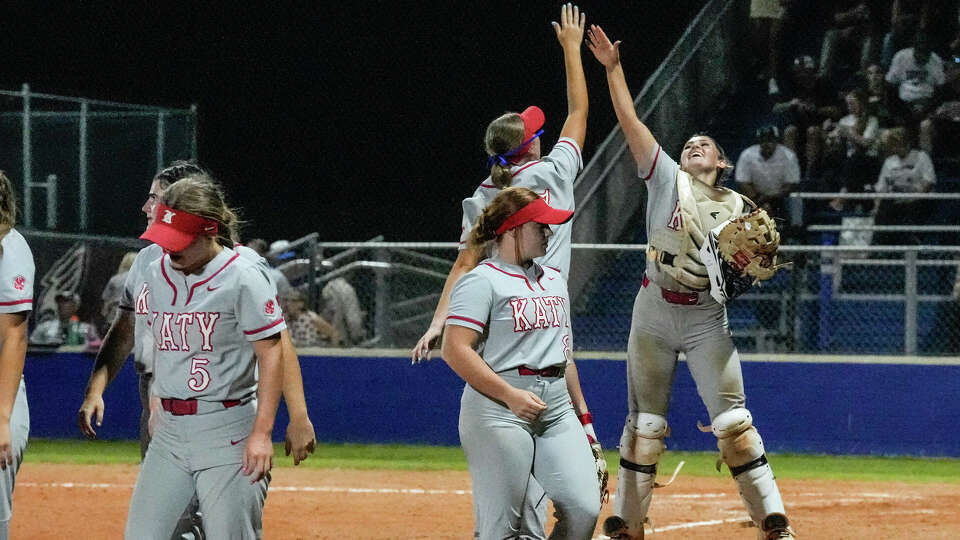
(876,112)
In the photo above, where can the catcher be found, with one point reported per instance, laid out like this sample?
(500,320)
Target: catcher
(680,308)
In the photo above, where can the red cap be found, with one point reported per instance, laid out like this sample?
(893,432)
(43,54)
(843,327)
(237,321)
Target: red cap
(533,120)
(174,230)
(538,211)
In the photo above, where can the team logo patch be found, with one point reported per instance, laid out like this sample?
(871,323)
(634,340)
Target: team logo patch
(18,282)
(168,217)
(269,308)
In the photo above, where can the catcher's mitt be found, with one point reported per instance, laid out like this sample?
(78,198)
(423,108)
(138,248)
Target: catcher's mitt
(749,245)
(602,474)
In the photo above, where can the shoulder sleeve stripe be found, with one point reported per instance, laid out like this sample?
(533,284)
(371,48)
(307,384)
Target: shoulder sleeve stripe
(574,146)
(17,302)
(654,166)
(267,327)
(467,319)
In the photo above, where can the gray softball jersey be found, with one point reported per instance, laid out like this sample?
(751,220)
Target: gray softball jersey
(552,178)
(662,206)
(133,286)
(526,312)
(203,325)
(16,274)
(16,295)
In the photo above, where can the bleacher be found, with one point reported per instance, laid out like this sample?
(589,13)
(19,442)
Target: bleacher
(855,303)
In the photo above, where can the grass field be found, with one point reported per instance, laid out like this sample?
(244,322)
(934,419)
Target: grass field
(446,458)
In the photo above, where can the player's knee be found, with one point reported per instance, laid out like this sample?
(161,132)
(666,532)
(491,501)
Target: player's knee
(642,442)
(741,447)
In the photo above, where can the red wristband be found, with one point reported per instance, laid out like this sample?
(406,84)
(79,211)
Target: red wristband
(585,418)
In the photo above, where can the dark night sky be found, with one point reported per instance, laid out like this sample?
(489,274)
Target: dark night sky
(353,120)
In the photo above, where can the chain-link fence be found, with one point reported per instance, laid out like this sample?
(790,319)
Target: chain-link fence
(833,299)
(892,300)
(81,164)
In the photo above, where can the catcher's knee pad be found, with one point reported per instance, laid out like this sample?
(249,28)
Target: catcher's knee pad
(642,442)
(741,447)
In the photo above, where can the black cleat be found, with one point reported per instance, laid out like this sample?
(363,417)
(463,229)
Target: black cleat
(615,528)
(776,527)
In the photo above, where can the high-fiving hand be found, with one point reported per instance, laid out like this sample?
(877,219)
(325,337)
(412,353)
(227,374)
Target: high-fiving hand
(599,44)
(570,28)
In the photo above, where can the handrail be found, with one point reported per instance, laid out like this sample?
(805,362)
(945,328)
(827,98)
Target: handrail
(838,195)
(884,228)
(641,247)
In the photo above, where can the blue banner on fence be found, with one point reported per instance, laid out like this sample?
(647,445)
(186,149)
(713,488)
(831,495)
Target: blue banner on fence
(822,407)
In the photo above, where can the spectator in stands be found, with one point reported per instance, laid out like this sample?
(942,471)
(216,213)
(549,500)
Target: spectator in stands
(906,170)
(767,171)
(307,329)
(916,72)
(944,123)
(65,328)
(260,246)
(766,23)
(849,41)
(804,104)
(905,19)
(851,157)
(114,289)
(882,100)
(342,308)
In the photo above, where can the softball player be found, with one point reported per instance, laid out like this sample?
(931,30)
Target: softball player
(215,323)
(131,330)
(516,418)
(16,302)
(513,144)
(674,312)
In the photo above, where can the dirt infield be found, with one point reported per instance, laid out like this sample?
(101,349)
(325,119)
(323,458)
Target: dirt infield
(81,502)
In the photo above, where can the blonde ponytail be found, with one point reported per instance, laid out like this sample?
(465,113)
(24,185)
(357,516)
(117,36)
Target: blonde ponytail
(503,134)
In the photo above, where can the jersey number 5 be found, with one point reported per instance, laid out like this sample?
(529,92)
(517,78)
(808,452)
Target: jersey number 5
(200,377)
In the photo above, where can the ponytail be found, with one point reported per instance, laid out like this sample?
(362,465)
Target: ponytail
(503,134)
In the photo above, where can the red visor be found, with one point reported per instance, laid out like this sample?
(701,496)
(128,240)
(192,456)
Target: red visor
(533,120)
(174,230)
(537,211)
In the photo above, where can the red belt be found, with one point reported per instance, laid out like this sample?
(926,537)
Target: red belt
(674,297)
(552,371)
(184,407)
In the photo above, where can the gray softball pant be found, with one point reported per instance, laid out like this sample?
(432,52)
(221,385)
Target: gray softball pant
(19,433)
(659,331)
(503,451)
(202,455)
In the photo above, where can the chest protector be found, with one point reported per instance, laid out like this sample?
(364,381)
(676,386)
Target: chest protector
(675,246)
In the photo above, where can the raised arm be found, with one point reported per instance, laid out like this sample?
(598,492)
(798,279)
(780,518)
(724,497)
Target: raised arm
(570,34)
(639,138)
(113,353)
